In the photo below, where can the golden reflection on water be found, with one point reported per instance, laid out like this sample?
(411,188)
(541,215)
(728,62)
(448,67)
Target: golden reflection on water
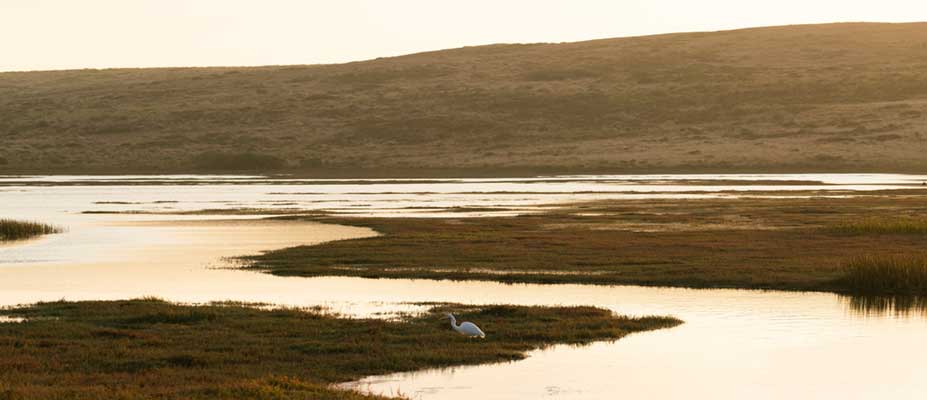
(734,344)
(177,260)
(901,306)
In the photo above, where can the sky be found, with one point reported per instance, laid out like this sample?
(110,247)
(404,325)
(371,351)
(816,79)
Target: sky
(71,34)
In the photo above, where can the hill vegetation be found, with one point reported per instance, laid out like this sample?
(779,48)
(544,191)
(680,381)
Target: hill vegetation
(815,97)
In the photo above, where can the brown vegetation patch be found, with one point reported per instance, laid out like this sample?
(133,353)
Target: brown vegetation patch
(153,349)
(707,102)
(775,244)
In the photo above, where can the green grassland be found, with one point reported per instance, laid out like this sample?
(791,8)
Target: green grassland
(837,97)
(789,244)
(150,349)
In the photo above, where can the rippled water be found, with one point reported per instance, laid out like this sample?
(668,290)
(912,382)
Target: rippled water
(734,344)
(62,197)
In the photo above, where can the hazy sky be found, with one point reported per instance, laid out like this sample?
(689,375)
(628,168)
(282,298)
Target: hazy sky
(59,34)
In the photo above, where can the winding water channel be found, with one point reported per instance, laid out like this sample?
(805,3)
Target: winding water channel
(735,343)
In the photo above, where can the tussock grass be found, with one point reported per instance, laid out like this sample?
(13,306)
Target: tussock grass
(907,226)
(153,349)
(906,274)
(16,230)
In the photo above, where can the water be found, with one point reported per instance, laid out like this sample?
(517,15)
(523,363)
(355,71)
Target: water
(61,198)
(176,260)
(734,344)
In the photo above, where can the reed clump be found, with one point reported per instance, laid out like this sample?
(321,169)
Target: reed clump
(902,274)
(11,229)
(907,226)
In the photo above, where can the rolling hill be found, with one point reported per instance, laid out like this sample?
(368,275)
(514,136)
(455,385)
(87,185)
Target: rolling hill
(836,97)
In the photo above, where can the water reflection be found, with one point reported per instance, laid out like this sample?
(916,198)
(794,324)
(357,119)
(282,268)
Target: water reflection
(887,306)
(55,198)
(792,345)
(176,260)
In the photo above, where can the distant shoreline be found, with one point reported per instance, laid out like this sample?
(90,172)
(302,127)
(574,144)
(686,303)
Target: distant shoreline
(418,173)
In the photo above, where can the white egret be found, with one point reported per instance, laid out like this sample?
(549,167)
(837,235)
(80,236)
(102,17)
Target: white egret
(468,329)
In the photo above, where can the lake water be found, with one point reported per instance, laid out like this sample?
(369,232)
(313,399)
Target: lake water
(734,344)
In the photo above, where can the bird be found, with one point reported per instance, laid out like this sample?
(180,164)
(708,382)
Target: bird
(467,329)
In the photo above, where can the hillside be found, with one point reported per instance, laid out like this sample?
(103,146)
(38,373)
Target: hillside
(832,97)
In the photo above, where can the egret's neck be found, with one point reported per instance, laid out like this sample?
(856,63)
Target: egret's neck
(453,321)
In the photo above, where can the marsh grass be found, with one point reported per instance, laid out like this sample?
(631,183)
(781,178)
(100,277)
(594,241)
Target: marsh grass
(17,230)
(902,274)
(885,225)
(758,243)
(153,349)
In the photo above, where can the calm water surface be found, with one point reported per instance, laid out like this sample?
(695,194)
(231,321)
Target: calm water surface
(735,343)
(62,197)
